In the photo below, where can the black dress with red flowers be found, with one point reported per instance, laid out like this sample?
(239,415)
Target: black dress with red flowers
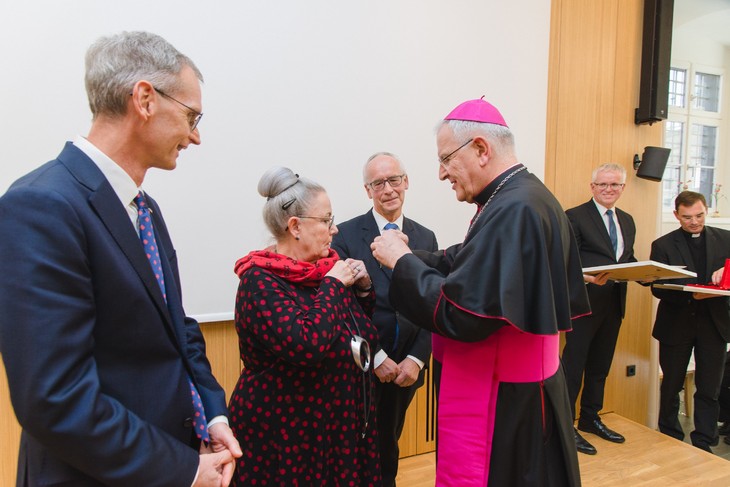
(302,408)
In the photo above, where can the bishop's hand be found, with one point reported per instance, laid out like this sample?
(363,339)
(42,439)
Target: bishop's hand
(389,247)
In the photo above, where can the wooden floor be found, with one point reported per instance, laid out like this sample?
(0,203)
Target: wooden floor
(647,459)
(417,471)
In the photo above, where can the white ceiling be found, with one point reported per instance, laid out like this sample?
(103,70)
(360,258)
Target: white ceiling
(709,17)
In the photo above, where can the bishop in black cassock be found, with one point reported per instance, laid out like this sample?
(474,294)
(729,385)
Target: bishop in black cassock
(496,303)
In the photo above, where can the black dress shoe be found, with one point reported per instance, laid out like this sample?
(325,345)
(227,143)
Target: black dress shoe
(582,445)
(724,429)
(601,430)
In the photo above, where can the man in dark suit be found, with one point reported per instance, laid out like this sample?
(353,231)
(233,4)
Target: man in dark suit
(687,322)
(404,348)
(605,235)
(102,362)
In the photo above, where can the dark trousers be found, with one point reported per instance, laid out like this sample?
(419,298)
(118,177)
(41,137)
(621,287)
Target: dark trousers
(587,358)
(710,353)
(392,403)
(724,397)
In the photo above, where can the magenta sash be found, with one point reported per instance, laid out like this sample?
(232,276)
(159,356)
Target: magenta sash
(468,396)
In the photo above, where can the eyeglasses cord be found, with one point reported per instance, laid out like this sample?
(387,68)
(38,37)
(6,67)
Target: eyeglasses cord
(366,386)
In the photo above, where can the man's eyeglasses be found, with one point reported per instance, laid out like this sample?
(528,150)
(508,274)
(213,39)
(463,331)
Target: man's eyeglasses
(613,186)
(329,221)
(394,181)
(691,218)
(194,116)
(445,160)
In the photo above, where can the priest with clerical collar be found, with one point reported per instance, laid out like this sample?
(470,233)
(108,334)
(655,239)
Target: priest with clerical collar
(687,322)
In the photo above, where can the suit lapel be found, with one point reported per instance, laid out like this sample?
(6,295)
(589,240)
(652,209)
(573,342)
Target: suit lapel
(600,228)
(106,205)
(370,231)
(711,244)
(681,244)
(623,227)
(115,219)
(370,228)
(409,229)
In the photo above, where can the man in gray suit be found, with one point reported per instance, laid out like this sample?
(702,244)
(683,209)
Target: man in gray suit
(404,348)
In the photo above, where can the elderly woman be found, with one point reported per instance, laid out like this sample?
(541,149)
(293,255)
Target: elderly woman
(303,409)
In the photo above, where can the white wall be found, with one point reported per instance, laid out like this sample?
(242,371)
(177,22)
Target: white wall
(701,39)
(315,85)
(691,46)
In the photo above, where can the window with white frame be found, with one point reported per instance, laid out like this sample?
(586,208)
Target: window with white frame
(691,131)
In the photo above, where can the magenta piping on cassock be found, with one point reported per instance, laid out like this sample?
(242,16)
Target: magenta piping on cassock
(455,304)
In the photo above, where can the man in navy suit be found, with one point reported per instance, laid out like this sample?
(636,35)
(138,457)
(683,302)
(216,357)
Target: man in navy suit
(101,361)
(692,321)
(605,235)
(404,348)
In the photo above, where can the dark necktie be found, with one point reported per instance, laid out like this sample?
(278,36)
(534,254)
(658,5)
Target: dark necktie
(147,236)
(612,234)
(393,226)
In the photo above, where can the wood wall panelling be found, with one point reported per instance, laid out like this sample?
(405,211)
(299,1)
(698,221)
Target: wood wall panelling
(9,433)
(595,56)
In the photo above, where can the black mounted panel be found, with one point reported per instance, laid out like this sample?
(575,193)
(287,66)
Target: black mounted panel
(655,61)
(653,162)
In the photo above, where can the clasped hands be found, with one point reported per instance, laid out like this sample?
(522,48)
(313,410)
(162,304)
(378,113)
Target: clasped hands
(352,272)
(217,459)
(403,374)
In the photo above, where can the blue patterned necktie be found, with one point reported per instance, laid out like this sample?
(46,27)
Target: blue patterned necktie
(612,234)
(393,226)
(147,236)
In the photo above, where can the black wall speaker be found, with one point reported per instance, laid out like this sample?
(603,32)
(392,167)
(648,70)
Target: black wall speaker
(656,53)
(652,163)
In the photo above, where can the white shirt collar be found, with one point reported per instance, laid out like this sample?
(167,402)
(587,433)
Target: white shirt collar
(122,184)
(602,209)
(382,221)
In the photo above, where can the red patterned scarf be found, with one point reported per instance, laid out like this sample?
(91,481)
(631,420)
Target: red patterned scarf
(292,270)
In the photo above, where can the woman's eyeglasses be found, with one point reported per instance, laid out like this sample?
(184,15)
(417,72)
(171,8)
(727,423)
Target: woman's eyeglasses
(329,220)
